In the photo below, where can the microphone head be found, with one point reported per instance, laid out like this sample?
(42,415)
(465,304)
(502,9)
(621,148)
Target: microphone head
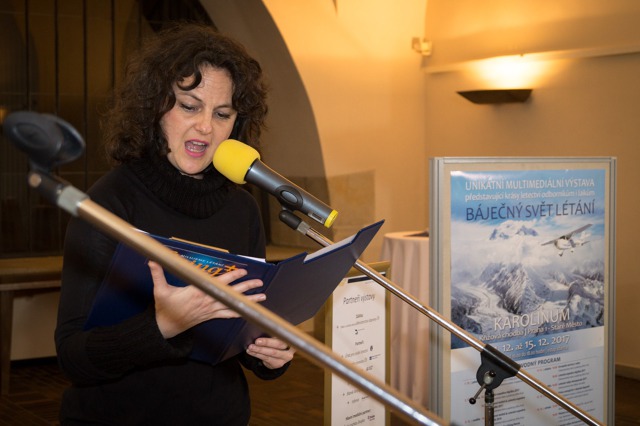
(49,141)
(233,159)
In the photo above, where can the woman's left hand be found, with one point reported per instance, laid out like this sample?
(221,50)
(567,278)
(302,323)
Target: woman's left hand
(273,352)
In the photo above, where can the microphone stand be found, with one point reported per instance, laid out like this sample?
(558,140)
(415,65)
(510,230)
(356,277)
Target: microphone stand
(495,365)
(79,205)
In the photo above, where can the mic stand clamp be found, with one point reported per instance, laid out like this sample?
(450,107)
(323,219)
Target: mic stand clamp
(490,375)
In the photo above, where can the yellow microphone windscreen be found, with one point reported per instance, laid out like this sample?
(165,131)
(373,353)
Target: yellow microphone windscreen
(233,159)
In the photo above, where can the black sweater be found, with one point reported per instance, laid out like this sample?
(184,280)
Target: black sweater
(128,374)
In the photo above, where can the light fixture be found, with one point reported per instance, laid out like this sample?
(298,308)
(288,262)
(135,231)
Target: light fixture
(421,45)
(496,96)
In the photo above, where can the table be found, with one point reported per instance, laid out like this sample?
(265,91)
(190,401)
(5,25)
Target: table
(408,253)
(21,275)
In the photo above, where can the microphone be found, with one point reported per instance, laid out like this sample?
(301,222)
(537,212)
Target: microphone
(241,163)
(48,141)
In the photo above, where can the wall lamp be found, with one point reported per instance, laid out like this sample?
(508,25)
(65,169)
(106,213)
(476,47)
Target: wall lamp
(505,75)
(496,96)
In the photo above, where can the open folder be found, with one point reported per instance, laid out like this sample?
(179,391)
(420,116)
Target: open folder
(296,288)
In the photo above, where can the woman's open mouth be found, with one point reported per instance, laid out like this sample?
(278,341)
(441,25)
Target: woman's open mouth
(196,147)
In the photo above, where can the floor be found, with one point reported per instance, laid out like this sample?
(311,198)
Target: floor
(294,399)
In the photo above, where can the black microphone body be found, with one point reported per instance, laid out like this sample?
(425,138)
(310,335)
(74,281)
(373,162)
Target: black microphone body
(289,194)
(241,163)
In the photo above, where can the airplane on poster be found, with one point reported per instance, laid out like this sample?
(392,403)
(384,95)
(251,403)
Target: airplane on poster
(569,241)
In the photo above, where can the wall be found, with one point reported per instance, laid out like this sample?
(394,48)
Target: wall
(366,88)
(585,104)
(380,110)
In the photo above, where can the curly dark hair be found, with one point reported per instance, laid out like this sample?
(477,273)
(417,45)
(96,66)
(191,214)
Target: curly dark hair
(132,126)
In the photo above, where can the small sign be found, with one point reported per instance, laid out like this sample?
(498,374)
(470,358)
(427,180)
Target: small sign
(358,331)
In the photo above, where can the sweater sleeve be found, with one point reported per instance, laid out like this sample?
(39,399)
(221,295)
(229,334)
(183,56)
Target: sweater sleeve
(257,367)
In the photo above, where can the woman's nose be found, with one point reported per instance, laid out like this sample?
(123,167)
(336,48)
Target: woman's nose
(203,125)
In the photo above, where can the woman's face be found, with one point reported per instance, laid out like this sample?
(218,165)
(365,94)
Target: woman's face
(199,121)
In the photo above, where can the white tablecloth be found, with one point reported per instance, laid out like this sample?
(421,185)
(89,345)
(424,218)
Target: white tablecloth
(409,335)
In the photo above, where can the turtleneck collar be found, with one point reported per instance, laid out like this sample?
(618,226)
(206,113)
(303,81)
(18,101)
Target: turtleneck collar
(198,198)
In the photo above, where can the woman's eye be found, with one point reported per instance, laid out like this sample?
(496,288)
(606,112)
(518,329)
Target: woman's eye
(224,115)
(187,107)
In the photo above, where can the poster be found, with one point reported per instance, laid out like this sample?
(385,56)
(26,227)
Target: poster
(529,273)
(358,332)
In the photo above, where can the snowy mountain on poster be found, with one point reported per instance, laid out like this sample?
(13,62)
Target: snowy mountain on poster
(514,282)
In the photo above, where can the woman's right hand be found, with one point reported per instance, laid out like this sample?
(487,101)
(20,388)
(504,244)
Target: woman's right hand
(180,308)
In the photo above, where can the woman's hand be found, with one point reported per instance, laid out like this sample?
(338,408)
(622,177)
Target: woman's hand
(180,308)
(274,353)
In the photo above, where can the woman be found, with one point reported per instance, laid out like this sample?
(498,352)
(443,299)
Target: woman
(184,93)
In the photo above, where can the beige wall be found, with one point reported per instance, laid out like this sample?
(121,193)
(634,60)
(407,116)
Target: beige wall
(366,89)
(380,110)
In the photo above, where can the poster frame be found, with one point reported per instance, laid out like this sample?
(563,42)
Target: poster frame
(441,252)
